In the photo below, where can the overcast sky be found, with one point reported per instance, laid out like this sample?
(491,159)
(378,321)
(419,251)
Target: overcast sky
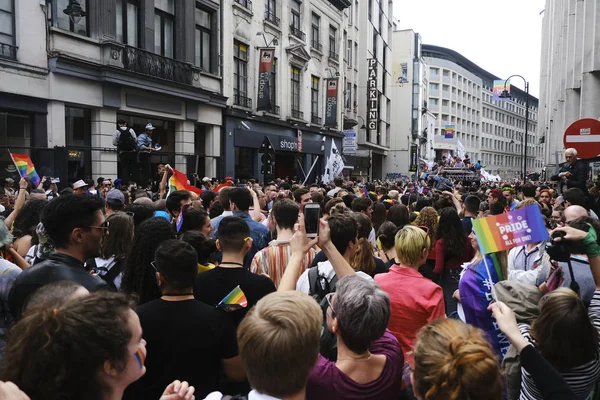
(501,36)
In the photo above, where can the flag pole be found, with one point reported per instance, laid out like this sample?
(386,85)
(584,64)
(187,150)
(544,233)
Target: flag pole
(310,170)
(487,269)
(13,160)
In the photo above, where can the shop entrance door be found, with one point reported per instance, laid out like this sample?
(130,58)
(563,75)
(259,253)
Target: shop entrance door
(287,166)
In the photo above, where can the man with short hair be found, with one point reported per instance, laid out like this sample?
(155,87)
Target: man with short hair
(573,173)
(273,259)
(115,201)
(572,213)
(529,190)
(125,140)
(471,209)
(75,224)
(223,198)
(509,194)
(338,182)
(302,197)
(496,196)
(363,205)
(240,201)
(576,197)
(176,200)
(190,341)
(234,241)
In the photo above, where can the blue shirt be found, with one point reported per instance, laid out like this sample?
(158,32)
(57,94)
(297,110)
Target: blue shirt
(144,140)
(260,234)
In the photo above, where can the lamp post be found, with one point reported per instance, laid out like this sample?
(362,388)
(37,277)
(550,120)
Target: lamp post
(506,95)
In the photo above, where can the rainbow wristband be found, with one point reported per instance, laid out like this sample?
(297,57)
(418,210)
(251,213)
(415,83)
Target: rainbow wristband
(590,241)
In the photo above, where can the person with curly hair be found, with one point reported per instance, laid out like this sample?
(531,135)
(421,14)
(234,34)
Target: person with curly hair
(428,218)
(452,249)
(24,226)
(139,276)
(89,349)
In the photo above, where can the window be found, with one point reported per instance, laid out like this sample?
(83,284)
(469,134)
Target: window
(348,95)
(78,126)
(164,28)
(355,56)
(296,14)
(7,29)
(355,96)
(314,96)
(271,11)
(295,80)
(332,40)
(446,73)
(204,45)
(350,15)
(349,53)
(315,36)
(240,74)
(63,21)
(127,22)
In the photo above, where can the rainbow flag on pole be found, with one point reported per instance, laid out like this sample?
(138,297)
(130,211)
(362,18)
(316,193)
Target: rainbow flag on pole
(179,181)
(234,300)
(222,185)
(25,167)
(512,229)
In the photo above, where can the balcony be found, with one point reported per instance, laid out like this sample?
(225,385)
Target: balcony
(245,3)
(8,51)
(316,45)
(297,114)
(242,101)
(275,110)
(146,63)
(272,18)
(296,32)
(333,55)
(315,119)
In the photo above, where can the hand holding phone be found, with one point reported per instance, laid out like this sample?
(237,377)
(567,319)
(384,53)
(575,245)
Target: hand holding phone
(312,214)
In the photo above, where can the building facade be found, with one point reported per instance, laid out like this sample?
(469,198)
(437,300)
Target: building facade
(303,110)
(570,72)
(460,97)
(69,70)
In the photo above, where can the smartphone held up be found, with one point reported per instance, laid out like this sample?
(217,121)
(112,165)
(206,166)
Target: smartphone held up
(312,214)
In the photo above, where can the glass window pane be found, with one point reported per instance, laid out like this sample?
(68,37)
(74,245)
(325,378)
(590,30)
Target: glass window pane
(169,35)
(167,6)
(197,46)
(157,35)
(6,23)
(6,5)
(202,18)
(119,13)
(206,51)
(132,25)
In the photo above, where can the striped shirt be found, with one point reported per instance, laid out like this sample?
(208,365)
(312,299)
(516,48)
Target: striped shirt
(582,378)
(273,259)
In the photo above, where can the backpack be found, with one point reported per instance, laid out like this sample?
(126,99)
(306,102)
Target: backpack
(110,275)
(319,287)
(126,141)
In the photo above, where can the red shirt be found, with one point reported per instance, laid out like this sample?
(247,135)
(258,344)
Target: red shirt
(442,262)
(415,302)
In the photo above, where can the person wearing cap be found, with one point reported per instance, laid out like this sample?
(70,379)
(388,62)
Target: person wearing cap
(80,187)
(205,183)
(144,144)
(115,201)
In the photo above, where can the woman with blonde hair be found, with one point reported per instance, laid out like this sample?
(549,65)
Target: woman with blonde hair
(428,218)
(453,361)
(415,300)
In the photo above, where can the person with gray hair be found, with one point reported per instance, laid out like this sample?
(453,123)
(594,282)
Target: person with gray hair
(573,173)
(369,358)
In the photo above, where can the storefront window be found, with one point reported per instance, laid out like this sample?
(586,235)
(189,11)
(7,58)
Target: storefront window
(78,134)
(244,162)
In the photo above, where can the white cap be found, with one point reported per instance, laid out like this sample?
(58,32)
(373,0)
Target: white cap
(149,127)
(79,184)
(206,179)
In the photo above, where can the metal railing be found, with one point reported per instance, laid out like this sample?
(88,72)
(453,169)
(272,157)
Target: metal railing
(8,51)
(315,119)
(242,101)
(146,63)
(297,114)
(333,55)
(245,3)
(272,18)
(316,45)
(274,110)
(297,33)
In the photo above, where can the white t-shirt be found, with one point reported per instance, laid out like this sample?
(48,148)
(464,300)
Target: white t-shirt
(253,395)
(326,270)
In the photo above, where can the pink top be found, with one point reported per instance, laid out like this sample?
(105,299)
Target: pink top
(415,302)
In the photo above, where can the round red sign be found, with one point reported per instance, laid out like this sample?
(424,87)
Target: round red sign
(584,136)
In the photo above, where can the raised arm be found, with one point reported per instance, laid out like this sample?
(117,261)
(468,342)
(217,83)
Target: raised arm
(162,187)
(18,203)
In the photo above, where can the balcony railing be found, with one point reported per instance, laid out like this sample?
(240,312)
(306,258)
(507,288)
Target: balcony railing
(8,51)
(144,62)
(315,119)
(271,17)
(245,3)
(274,110)
(297,33)
(297,114)
(316,45)
(333,55)
(242,101)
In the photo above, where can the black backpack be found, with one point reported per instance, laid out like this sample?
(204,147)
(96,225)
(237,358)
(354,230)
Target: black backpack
(110,275)
(319,287)
(126,141)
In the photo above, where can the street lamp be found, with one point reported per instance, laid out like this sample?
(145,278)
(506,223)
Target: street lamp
(363,122)
(74,11)
(506,95)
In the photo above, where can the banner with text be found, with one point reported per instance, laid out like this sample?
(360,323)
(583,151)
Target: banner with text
(497,90)
(350,143)
(512,229)
(264,79)
(414,158)
(372,95)
(331,100)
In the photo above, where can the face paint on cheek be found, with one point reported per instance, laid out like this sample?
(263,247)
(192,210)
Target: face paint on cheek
(140,358)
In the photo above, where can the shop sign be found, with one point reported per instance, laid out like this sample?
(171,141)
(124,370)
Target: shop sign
(349,145)
(264,79)
(331,101)
(372,95)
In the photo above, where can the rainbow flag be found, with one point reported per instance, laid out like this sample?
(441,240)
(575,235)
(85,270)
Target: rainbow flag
(512,229)
(236,299)
(178,181)
(25,167)
(222,185)
(365,192)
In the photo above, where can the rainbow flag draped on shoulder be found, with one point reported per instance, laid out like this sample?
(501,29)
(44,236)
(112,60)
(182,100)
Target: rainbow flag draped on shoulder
(179,181)
(25,167)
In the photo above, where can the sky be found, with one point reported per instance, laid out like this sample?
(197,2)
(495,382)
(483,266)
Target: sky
(501,36)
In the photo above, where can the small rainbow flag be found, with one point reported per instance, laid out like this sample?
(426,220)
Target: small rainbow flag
(178,181)
(25,167)
(512,229)
(236,299)
(222,185)
(365,192)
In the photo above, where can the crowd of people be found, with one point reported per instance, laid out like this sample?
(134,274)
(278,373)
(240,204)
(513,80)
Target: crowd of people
(110,291)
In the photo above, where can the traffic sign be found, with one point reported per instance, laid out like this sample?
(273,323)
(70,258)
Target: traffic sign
(584,136)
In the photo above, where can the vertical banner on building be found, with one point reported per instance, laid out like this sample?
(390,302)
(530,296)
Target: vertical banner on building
(299,141)
(331,100)
(414,158)
(498,89)
(264,79)
(372,95)
(449,132)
